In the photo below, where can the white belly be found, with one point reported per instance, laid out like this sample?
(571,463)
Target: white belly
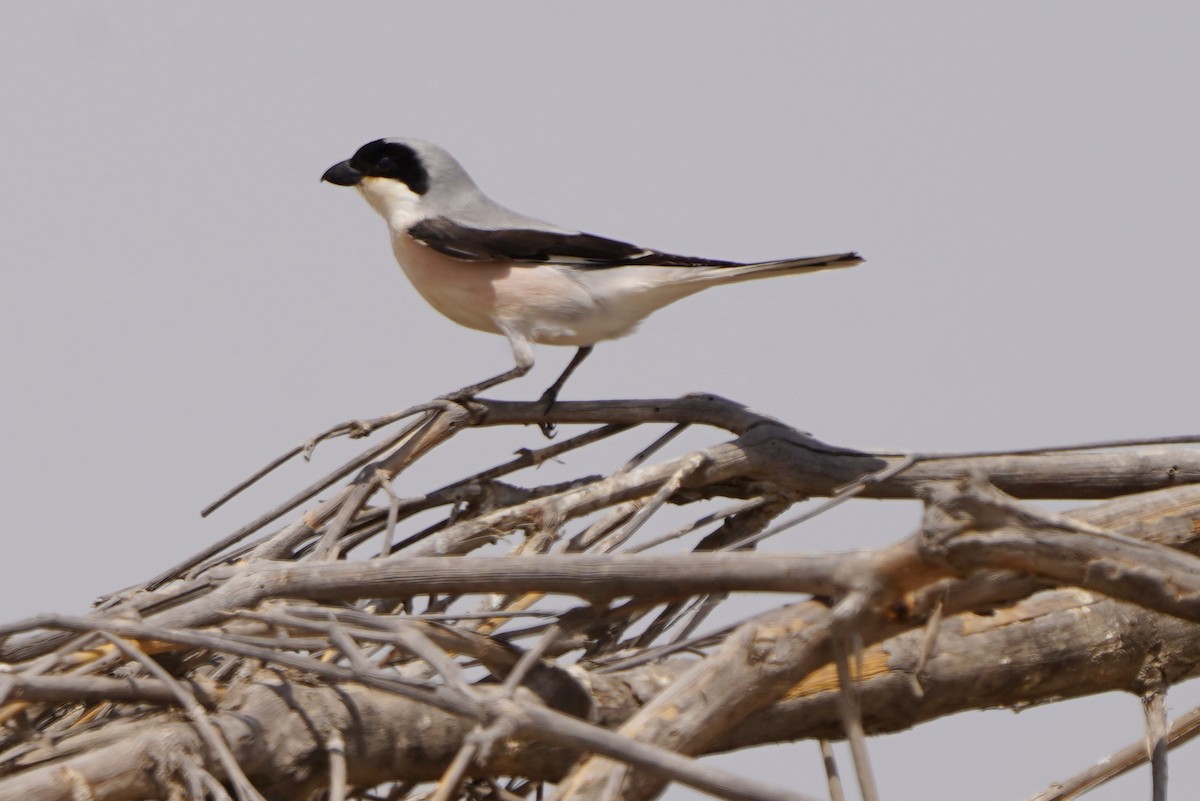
(547,304)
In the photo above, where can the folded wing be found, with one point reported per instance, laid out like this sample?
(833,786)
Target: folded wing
(532,246)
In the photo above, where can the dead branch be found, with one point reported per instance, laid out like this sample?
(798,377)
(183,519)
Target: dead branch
(356,647)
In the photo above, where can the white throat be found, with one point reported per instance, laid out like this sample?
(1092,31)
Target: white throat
(393,200)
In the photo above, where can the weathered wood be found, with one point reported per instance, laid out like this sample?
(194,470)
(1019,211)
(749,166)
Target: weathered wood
(319,667)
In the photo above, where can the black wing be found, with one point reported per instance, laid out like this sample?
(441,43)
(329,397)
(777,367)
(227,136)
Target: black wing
(539,247)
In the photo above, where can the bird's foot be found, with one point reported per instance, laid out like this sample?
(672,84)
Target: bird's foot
(465,399)
(459,395)
(547,401)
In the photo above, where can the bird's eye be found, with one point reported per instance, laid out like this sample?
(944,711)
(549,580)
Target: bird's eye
(395,160)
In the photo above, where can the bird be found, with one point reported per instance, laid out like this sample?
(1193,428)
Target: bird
(496,270)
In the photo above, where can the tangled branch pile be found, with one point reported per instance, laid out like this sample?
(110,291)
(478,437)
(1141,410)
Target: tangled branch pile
(346,655)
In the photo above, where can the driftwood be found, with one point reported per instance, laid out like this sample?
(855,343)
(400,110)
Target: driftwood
(342,654)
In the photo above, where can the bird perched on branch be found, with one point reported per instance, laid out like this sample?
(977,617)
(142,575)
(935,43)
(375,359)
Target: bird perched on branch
(496,270)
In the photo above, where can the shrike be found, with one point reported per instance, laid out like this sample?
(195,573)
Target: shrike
(495,270)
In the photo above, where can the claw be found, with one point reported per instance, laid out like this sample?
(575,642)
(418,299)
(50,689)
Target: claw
(547,400)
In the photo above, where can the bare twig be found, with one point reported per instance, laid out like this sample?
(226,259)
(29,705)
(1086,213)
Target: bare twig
(842,494)
(335,746)
(852,721)
(306,617)
(669,487)
(655,446)
(352,428)
(932,626)
(1184,729)
(204,727)
(448,785)
(556,727)
(1155,707)
(831,772)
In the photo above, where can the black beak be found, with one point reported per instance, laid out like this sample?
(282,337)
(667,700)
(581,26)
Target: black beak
(342,174)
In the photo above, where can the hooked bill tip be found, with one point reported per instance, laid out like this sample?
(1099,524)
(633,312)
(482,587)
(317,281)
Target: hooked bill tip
(342,174)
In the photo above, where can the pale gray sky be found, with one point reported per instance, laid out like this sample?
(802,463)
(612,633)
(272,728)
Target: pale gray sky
(184,299)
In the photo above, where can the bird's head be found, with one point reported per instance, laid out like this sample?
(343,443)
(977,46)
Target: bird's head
(405,180)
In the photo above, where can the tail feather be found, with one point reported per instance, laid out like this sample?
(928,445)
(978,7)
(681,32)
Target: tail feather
(764,269)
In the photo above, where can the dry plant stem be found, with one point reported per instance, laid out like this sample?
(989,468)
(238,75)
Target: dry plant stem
(413,640)
(1020,669)
(654,447)
(841,495)
(668,488)
(528,457)
(400,791)
(393,517)
(250,481)
(1022,476)
(575,501)
(713,410)
(595,533)
(715,517)
(545,724)
(756,665)
(530,721)
(593,577)
(280,509)
(353,428)
(852,719)
(279,545)
(771,672)
(708,604)
(1156,742)
(721,413)
(356,429)
(211,786)
(727,684)
(204,727)
(1184,729)
(832,779)
(1043,473)
(88,689)
(335,745)
(341,626)
(975,527)
(348,507)
(251,586)
(439,428)
(533,721)
(616,779)
(529,659)
(1051,646)
(234,538)
(1099,445)
(501,794)
(805,466)
(448,785)
(409,688)
(408,636)
(344,643)
(1141,747)
(733,426)
(670,615)
(931,632)
(691,409)
(428,434)
(654,654)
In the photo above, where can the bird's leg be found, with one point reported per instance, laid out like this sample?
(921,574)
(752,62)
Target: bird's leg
(466,393)
(551,394)
(523,354)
